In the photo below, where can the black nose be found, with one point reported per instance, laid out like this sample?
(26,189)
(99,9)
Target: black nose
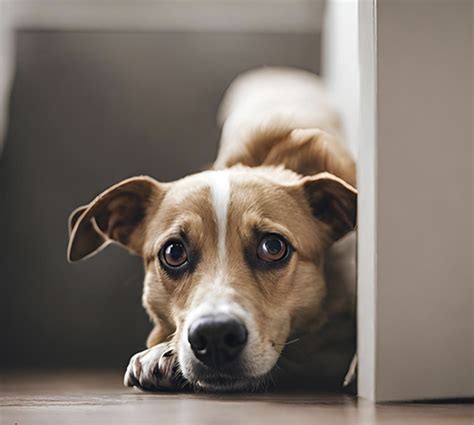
(218,339)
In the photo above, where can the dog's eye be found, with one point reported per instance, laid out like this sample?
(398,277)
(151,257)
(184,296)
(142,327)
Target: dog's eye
(174,254)
(272,248)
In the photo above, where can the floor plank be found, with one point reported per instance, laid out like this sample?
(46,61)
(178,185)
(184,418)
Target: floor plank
(98,398)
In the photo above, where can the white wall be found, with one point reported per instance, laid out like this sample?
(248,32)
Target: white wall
(340,64)
(367,202)
(415,205)
(6,72)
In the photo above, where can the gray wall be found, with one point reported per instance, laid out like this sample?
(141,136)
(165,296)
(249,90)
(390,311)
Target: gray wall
(87,110)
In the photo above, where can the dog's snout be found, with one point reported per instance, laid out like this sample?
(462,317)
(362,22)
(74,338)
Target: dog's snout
(217,340)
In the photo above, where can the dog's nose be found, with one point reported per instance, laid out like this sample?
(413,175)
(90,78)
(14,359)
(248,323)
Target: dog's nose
(217,339)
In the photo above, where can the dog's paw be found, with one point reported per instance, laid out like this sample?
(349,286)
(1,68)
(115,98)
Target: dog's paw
(153,369)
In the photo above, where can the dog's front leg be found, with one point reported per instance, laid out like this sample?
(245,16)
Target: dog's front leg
(154,369)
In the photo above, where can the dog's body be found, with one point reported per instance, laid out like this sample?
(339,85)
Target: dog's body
(240,260)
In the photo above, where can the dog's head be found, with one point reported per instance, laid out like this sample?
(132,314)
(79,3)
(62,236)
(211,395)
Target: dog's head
(233,260)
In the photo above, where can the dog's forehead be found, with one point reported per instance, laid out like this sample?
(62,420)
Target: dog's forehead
(211,205)
(221,189)
(217,191)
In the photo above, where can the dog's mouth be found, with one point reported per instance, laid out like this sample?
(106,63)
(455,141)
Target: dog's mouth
(230,384)
(207,379)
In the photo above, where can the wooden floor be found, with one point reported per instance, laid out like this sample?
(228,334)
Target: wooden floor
(100,398)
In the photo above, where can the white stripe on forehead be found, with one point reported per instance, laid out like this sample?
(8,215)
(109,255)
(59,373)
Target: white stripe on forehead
(219,184)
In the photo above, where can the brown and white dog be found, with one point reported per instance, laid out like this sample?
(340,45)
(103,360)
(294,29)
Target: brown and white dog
(244,280)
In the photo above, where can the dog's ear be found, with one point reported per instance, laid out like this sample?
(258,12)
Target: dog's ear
(312,151)
(116,215)
(332,201)
(74,216)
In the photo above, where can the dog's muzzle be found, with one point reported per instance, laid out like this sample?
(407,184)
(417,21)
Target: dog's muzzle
(217,340)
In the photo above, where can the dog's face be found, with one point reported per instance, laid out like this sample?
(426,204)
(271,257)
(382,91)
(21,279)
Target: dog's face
(233,260)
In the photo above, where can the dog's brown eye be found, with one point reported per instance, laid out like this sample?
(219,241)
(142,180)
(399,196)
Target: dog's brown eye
(272,248)
(174,254)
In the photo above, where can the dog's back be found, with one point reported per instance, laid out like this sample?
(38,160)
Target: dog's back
(268,103)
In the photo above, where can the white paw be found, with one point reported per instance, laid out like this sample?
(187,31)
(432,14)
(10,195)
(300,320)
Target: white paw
(153,369)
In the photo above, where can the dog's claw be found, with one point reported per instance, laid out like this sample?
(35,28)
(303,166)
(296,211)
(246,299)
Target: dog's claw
(153,369)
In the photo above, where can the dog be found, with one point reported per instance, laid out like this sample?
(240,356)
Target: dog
(249,266)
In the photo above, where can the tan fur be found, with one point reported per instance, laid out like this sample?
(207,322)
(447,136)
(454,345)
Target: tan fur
(282,116)
(268,193)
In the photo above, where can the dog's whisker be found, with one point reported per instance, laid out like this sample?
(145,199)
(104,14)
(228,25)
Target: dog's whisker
(285,343)
(292,341)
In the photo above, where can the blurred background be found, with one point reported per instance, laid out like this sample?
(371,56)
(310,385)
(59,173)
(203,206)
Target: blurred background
(93,93)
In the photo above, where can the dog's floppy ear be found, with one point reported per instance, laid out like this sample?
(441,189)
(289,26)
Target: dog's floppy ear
(332,201)
(312,151)
(116,215)
(74,216)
